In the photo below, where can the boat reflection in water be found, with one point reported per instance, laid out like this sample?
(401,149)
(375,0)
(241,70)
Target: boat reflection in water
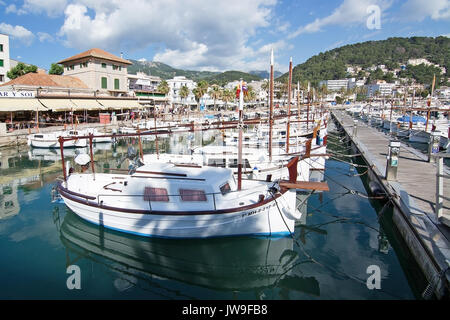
(230,264)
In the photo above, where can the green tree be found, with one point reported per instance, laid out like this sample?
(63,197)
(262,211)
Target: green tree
(56,69)
(227,96)
(163,87)
(199,91)
(20,69)
(215,93)
(184,92)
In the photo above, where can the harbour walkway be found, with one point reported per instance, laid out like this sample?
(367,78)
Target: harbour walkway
(414,197)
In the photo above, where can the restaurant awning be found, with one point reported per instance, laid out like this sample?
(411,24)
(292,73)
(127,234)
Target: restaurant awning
(59,104)
(120,104)
(20,104)
(87,104)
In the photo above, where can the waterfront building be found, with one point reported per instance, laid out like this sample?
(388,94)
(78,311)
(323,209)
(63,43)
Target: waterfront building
(335,85)
(381,87)
(4,58)
(99,70)
(175,85)
(143,85)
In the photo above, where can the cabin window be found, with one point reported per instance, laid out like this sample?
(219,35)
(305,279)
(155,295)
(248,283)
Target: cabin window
(156,194)
(192,195)
(39,136)
(225,189)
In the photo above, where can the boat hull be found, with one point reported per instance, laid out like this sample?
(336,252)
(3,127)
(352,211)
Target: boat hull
(272,218)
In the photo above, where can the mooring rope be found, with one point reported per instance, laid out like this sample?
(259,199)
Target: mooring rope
(314,260)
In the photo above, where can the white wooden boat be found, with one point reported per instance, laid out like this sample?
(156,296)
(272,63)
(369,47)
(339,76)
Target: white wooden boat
(51,139)
(172,201)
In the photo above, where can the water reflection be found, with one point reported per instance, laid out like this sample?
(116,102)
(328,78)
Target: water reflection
(230,264)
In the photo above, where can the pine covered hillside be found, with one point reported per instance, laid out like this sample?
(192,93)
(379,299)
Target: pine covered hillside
(266,74)
(392,53)
(229,76)
(165,71)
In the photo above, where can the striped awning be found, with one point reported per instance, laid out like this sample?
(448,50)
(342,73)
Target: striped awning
(119,104)
(20,104)
(87,104)
(59,104)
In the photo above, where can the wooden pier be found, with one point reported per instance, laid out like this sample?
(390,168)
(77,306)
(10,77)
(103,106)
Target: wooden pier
(413,195)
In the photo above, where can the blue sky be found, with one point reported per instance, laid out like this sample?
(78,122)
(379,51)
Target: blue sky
(211,35)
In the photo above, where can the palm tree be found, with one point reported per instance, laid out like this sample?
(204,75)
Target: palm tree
(215,93)
(184,92)
(163,87)
(251,94)
(199,91)
(227,96)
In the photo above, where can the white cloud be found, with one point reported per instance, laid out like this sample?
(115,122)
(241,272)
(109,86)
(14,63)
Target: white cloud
(51,7)
(193,33)
(17,32)
(350,12)
(44,36)
(418,10)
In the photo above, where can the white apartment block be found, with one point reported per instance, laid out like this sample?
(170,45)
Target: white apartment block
(4,58)
(99,70)
(383,89)
(175,85)
(335,85)
(143,82)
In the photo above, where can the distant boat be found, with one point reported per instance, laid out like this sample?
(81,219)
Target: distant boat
(51,139)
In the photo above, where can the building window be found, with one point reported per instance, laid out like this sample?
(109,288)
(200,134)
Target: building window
(1,62)
(104,83)
(116,84)
(103,65)
(83,65)
(2,78)
(1,48)
(72,67)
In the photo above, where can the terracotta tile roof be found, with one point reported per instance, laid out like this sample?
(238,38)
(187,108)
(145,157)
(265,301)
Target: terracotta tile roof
(95,53)
(47,80)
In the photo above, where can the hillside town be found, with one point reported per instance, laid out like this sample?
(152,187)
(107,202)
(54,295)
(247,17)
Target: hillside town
(100,80)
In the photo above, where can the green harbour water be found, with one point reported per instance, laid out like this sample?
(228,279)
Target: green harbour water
(341,235)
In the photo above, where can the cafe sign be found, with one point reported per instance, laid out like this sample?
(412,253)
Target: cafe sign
(17,94)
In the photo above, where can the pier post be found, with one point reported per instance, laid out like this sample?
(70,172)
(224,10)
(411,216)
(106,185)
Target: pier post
(355,127)
(433,146)
(392,160)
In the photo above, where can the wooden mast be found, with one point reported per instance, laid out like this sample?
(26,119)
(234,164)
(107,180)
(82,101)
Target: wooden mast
(240,125)
(411,112)
(271,106)
(429,102)
(298,112)
(288,125)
